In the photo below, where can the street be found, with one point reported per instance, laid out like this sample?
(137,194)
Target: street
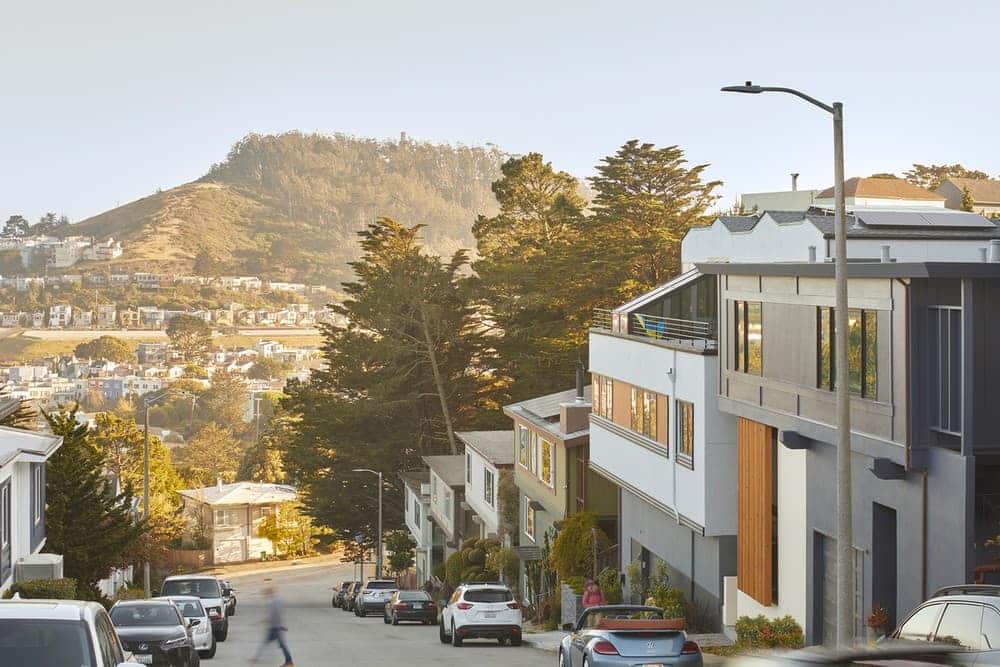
(321,635)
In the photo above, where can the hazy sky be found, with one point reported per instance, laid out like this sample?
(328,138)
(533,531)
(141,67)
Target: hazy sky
(103,102)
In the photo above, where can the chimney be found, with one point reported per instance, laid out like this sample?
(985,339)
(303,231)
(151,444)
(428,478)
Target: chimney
(885,254)
(982,254)
(795,182)
(579,382)
(995,250)
(218,482)
(812,253)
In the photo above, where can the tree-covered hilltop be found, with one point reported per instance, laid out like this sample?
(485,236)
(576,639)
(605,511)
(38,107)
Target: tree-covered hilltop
(289,206)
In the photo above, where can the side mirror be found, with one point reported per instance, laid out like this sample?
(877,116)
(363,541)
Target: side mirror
(193,622)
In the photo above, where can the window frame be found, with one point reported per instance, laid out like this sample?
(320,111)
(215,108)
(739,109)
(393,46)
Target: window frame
(551,481)
(489,487)
(603,396)
(684,416)
(643,417)
(468,467)
(529,519)
(37,493)
(523,437)
(226,512)
(741,337)
(867,351)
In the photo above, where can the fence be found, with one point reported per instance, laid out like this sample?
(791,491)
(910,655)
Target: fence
(670,328)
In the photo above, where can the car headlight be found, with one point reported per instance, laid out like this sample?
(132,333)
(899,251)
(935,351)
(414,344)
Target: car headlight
(203,628)
(171,644)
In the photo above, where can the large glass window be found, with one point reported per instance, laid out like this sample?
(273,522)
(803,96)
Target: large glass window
(643,409)
(685,433)
(921,625)
(749,344)
(603,388)
(944,366)
(862,351)
(960,626)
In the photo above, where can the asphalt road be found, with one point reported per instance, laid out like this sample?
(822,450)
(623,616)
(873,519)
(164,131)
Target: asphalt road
(321,635)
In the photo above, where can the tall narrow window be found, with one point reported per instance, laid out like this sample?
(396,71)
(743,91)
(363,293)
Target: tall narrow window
(603,396)
(522,446)
(547,470)
(529,519)
(468,467)
(749,344)
(862,351)
(685,433)
(944,368)
(488,487)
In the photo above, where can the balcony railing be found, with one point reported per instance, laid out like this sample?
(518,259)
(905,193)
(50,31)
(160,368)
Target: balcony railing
(601,319)
(669,328)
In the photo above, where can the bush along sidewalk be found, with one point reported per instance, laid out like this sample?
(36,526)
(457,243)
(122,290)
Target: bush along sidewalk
(757,632)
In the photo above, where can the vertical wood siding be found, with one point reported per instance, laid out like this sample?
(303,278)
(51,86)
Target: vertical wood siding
(756,487)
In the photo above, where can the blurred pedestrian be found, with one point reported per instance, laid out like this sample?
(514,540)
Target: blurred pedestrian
(275,627)
(592,595)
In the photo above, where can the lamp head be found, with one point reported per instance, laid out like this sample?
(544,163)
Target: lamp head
(748,87)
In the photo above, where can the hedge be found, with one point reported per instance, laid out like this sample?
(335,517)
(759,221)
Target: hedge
(759,632)
(44,589)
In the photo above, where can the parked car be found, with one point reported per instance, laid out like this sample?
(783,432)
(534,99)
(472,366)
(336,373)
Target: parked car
(55,633)
(155,632)
(374,596)
(201,632)
(410,606)
(229,595)
(487,611)
(209,590)
(966,617)
(351,595)
(619,635)
(340,593)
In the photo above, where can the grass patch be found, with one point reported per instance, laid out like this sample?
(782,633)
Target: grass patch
(20,349)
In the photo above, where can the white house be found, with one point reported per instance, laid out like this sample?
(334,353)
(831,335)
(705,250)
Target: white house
(60,315)
(430,542)
(486,454)
(229,516)
(22,497)
(447,486)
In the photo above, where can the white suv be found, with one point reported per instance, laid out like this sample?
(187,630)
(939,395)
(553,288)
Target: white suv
(373,596)
(54,633)
(209,590)
(481,611)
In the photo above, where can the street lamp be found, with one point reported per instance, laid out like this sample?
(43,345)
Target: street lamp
(378,563)
(147,401)
(845,555)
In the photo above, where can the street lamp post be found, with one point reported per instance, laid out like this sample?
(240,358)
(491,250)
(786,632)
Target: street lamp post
(378,562)
(845,550)
(146,402)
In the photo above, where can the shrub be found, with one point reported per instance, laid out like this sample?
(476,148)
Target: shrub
(44,589)
(476,556)
(469,543)
(573,548)
(130,593)
(576,584)
(673,604)
(504,562)
(610,583)
(758,632)
(453,569)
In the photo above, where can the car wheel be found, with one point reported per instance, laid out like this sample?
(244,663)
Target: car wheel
(222,634)
(515,640)
(210,653)
(441,635)
(501,641)
(395,620)
(456,640)
(194,660)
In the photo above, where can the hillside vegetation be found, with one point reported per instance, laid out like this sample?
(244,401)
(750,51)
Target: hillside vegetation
(289,206)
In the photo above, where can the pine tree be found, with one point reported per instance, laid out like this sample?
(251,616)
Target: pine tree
(87,521)
(968,202)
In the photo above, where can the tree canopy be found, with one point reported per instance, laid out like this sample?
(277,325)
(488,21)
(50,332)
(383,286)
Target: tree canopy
(211,454)
(108,348)
(191,335)
(930,176)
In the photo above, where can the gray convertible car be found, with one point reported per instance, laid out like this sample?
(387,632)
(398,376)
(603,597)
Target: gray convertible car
(628,636)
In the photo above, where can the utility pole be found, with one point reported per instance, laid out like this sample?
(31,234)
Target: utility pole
(145,488)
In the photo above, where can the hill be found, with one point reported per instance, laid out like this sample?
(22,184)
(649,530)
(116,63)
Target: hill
(288,206)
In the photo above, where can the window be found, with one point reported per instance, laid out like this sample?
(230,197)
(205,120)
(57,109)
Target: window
(226,518)
(5,516)
(533,453)
(944,382)
(547,470)
(603,396)
(862,351)
(468,467)
(685,433)
(434,489)
(529,519)
(416,512)
(522,446)
(643,417)
(991,630)
(37,492)
(488,487)
(447,504)
(920,626)
(748,347)
(960,626)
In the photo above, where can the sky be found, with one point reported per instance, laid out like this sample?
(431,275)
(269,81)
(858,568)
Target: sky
(105,102)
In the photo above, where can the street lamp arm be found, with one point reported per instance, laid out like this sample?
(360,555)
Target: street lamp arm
(754,90)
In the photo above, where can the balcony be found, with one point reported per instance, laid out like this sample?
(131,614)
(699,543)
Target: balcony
(698,333)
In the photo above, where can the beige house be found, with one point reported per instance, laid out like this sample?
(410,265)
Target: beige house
(985,194)
(229,516)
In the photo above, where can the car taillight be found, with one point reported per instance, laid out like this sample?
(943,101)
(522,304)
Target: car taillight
(513,605)
(402,605)
(605,648)
(464,606)
(690,648)
(431,605)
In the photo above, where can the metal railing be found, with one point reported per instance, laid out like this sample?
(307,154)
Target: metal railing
(601,319)
(670,328)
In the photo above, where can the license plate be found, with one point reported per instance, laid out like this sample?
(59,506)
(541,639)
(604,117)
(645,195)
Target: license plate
(490,614)
(652,664)
(418,606)
(143,659)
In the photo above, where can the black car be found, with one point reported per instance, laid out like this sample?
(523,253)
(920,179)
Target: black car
(154,632)
(410,606)
(350,595)
(338,596)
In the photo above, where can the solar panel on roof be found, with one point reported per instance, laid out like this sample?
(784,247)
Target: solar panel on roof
(957,220)
(892,218)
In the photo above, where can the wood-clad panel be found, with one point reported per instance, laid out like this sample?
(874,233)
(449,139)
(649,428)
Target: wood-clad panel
(622,404)
(755,485)
(662,419)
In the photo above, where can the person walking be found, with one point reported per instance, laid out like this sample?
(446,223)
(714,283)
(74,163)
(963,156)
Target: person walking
(275,628)
(592,595)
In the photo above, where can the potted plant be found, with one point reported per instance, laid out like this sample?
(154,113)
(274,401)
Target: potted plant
(877,622)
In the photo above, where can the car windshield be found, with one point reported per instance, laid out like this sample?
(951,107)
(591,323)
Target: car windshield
(414,596)
(45,643)
(377,585)
(190,608)
(489,595)
(135,615)
(199,588)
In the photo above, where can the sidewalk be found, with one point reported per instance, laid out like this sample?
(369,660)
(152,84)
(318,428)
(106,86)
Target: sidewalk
(550,641)
(263,567)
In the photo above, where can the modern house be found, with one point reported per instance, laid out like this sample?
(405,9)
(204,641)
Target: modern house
(22,503)
(657,434)
(551,452)
(228,517)
(417,516)
(487,453)
(925,458)
(447,491)
(985,194)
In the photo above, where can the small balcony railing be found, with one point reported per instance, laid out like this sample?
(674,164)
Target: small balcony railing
(601,319)
(670,328)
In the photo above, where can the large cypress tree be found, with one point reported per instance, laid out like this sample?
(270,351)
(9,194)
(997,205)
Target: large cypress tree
(87,521)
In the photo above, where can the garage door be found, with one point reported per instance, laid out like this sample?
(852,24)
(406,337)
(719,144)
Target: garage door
(230,551)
